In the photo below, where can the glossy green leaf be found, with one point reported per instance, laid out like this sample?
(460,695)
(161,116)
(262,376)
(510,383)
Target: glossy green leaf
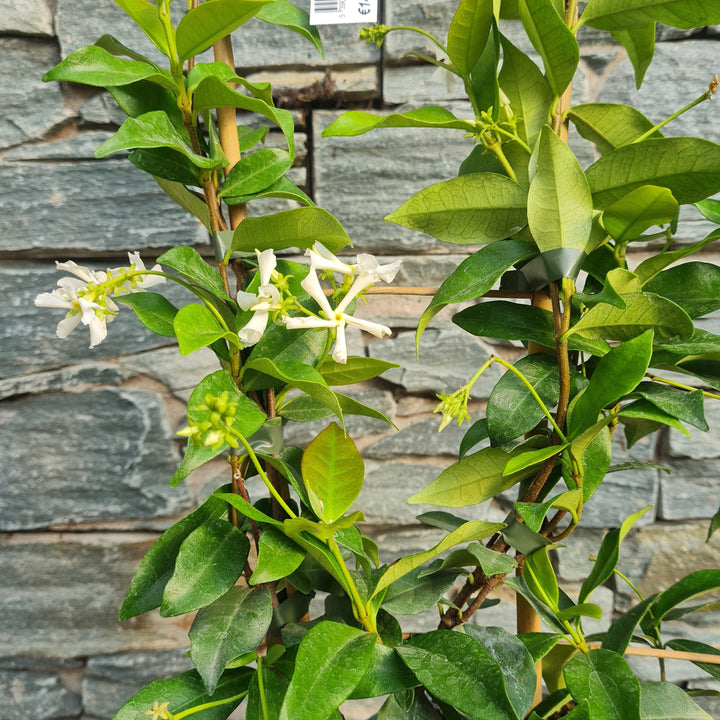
(518,584)
(540,578)
(145,15)
(644,411)
(386,674)
(416,592)
(356,122)
(666,701)
(151,130)
(512,411)
(287,15)
(248,510)
(278,557)
(331,661)
(186,200)
(298,228)
(553,40)
(456,669)
(474,435)
(153,311)
(692,585)
(408,706)
(533,514)
(606,681)
(472,480)
(616,374)
(693,646)
(233,624)
(558,218)
(256,171)
(475,276)
(356,369)
(685,405)
(527,90)
(209,562)
(210,21)
(187,691)
(472,530)
(197,327)
(281,188)
(610,125)
(710,209)
(94,65)
(539,644)
(642,312)
(491,562)
(470,209)
(639,43)
(688,167)
(484,89)
(694,286)
(162,162)
(115,47)
(620,633)
(266,705)
(650,267)
(468,33)
(307,409)
(333,473)
(611,14)
(630,216)
(517,666)
(156,568)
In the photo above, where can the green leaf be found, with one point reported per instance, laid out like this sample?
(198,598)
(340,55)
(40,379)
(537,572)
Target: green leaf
(307,409)
(620,633)
(468,33)
(441,519)
(281,188)
(693,646)
(115,47)
(278,557)
(511,409)
(145,15)
(166,163)
(333,473)
(287,15)
(266,705)
(153,311)
(491,562)
(693,286)
(517,665)
(665,701)
(558,218)
(475,276)
(196,327)
(417,592)
(645,411)
(630,216)
(611,15)
(151,130)
(212,20)
(519,585)
(355,370)
(533,514)
(610,125)
(606,681)
(616,374)
(539,644)
(186,200)
(94,65)
(156,568)
(248,510)
(356,122)
(210,561)
(256,171)
(714,525)
(553,40)
(470,209)
(300,228)
(692,585)
(688,406)
(527,90)
(472,530)
(234,624)
(639,43)
(642,312)
(688,167)
(472,480)
(649,268)
(331,661)
(709,209)
(187,691)
(474,435)
(386,674)
(456,669)
(540,578)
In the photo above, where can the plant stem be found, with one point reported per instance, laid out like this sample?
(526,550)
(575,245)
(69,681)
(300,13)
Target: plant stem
(689,388)
(206,706)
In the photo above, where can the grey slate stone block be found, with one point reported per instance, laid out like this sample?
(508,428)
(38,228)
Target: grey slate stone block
(449,358)
(62,592)
(362,179)
(692,491)
(36,695)
(700,445)
(29,108)
(99,455)
(111,680)
(26,17)
(419,438)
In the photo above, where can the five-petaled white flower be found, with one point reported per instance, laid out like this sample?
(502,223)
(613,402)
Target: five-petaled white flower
(262,303)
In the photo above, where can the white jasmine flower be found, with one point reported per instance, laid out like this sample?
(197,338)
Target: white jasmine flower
(322,259)
(142,282)
(336,318)
(262,303)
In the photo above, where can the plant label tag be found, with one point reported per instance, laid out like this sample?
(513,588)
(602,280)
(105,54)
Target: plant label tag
(338,12)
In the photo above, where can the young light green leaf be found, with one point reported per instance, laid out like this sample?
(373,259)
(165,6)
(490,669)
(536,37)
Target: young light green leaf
(688,167)
(558,217)
(287,15)
(282,188)
(356,122)
(209,562)
(532,458)
(256,171)
(540,578)
(553,40)
(610,15)
(468,33)
(331,660)
(234,624)
(278,557)
(145,15)
(639,43)
(299,227)
(153,310)
(197,327)
(470,209)
(333,473)
(212,20)
(190,264)
(630,216)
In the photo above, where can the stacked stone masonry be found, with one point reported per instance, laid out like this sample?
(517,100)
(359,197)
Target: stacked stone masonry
(88,438)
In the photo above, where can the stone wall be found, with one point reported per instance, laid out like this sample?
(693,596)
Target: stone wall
(88,438)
